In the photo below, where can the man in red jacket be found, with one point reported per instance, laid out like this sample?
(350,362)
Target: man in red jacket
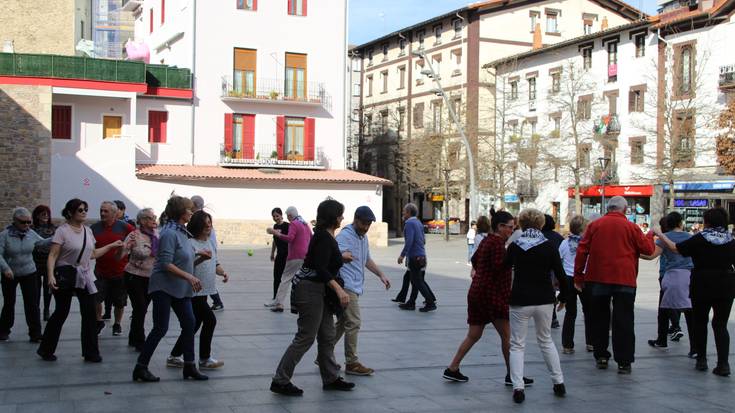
(606,266)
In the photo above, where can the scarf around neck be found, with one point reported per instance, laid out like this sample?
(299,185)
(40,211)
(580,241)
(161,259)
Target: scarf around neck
(573,242)
(154,240)
(173,225)
(13,231)
(716,235)
(530,238)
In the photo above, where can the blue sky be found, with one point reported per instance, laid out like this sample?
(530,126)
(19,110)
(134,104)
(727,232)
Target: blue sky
(370,19)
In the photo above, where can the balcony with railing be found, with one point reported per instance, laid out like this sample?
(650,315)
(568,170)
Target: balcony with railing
(264,156)
(727,77)
(276,91)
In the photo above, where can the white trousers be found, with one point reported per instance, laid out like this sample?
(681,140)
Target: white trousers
(519,316)
(292,267)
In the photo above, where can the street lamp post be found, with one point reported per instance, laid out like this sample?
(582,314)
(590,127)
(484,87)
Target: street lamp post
(470,157)
(604,162)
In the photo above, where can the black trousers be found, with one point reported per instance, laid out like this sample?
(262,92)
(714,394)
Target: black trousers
(137,287)
(43,290)
(416,268)
(279,264)
(623,333)
(88,311)
(203,317)
(570,316)
(29,289)
(721,312)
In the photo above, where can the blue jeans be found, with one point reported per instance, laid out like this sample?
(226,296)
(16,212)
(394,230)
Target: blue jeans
(162,305)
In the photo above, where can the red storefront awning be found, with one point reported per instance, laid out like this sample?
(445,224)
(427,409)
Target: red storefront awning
(614,190)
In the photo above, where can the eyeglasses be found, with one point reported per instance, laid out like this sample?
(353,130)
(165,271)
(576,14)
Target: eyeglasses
(25,222)
(152,218)
(81,210)
(505,225)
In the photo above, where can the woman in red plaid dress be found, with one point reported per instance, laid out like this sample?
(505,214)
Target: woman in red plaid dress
(487,299)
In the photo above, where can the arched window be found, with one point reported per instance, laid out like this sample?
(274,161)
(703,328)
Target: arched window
(686,70)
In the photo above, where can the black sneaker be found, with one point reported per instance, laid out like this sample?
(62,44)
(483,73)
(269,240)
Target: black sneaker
(701,364)
(407,306)
(560,390)
(287,389)
(93,359)
(100,327)
(46,356)
(657,344)
(601,363)
(722,370)
(107,316)
(218,307)
(427,308)
(116,330)
(624,369)
(676,336)
(339,384)
(519,396)
(692,354)
(396,300)
(455,376)
(526,381)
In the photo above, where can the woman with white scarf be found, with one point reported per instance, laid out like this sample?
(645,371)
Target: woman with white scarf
(567,251)
(712,284)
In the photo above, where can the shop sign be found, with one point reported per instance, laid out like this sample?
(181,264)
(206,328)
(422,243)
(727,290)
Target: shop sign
(511,198)
(702,186)
(614,190)
(437,198)
(691,203)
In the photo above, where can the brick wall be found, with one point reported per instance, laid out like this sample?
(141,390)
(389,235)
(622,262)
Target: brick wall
(39,26)
(25,147)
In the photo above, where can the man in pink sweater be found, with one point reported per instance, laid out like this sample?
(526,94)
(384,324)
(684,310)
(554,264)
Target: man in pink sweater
(298,237)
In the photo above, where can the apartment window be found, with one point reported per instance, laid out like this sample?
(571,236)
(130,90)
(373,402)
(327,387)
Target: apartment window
(684,66)
(555,82)
(370,57)
(81,28)
(612,101)
(513,129)
(532,123)
(384,77)
(456,57)
(247,4)
(584,108)
(369,80)
(436,62)
(436,117)
(383,121)
(150,21)
(437,34)
(356,90)
(637,153)
(457,106)
(401,77)
(640,45)
(243,73)
(636,97)
(514,90)
(240,136)
(457,25)
(418,115)
(612,61)
(293,143)
(295,75)
(587,26)
(368,124)
(420,36)
(157,125)
(684,132)
(587,58)
(163,12)
(297,7)
(557,125)
(61,122)
(401,119)
(419,68)
(532,88)
(385,51)
(552,24)
(584,155)
(535,16)
(402,46)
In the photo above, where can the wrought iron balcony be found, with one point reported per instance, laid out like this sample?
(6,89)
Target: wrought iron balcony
(277,91)
(271,156)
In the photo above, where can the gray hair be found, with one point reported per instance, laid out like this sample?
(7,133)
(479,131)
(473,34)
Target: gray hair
(617,203)
(20,212)
(411,208)
(198,202)
(141,214)
(112,205)
(292,211)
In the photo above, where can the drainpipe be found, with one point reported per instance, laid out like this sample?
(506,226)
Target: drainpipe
(193,75)
(344,95)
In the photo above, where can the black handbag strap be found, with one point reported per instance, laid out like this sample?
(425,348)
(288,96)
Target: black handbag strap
(84,244)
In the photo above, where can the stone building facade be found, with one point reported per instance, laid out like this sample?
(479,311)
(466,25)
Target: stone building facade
(21,24)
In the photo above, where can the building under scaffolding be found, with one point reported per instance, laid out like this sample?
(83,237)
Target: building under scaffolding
(111,28)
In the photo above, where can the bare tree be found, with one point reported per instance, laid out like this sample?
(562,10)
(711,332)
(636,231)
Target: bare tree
(726,140)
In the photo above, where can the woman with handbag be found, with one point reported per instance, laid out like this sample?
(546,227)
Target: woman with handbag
(69,274)
(315,294)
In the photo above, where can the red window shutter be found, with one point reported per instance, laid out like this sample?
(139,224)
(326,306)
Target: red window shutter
(163,11)
(309,126)
(151,21)
(303,7)
(248,136)
(255,5)
(280,135)
(157,123)
(61,122)
(291,6)
(164,127)
(152,127)
(228,132)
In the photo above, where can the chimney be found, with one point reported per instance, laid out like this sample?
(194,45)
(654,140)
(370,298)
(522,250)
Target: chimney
(537,37)
(603,25)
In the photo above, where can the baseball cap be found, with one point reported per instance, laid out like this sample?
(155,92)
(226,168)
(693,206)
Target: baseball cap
(364,213)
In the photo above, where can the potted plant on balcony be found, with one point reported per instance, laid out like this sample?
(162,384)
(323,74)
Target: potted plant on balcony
(274,95)
(554,134)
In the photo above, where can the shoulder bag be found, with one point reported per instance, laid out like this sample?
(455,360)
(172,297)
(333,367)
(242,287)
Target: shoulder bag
(66,275)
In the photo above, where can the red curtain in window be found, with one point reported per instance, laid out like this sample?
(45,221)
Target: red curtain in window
(61,122)
(280,135)
(291,6)
(303,7)
(157,125)
(163,11)
(151,21)
(248,136)
(309,139)
(228,132)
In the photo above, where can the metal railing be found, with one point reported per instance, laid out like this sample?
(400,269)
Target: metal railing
(277,90)
(269,155)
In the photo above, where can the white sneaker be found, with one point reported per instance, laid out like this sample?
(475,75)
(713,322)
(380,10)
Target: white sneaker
(270,304)
(173,361)
(210,364)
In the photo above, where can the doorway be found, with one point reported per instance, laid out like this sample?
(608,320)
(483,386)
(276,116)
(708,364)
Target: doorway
(111,127)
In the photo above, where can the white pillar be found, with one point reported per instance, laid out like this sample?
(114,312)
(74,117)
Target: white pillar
(133,117)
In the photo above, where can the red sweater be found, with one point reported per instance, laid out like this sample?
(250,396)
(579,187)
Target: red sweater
(609,251)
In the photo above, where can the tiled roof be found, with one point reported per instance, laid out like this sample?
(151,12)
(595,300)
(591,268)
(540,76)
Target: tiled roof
(187,172)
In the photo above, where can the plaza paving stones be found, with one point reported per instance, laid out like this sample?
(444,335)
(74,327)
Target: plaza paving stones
(408,350)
